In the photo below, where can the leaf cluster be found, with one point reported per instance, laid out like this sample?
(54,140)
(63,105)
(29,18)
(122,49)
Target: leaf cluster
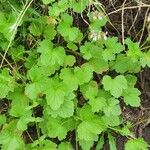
(54,71)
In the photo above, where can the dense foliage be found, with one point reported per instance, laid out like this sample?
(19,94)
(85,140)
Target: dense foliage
(64,80)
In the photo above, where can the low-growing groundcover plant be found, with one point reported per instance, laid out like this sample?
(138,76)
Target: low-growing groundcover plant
(65,81)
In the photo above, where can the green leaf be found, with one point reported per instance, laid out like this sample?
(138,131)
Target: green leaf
(145,59)
(91,125)
(125,131)
(85,113)
(131,97)
(134,51)
(112,142)
(37,73)
(97,104)
(11,142)
(86,50)
(58,8)
(57,127)
(113,45)
(67,19)
(73,33)
(36,89)
(100,143)
(98,20)
(108,56)
(99,65)
(116,85)
(89,130)
(55,56)
(49,32)
(124,64)
(112,48)
(89,90)
(47,144)
(20,108)
(72,46)
(112,108)
(36,28)
(93,53)
(30,60)
(51,56)
(39,77)
(2,119)
(22,123)
(8,24)
(86,145)
(112,120)
(7,83)
(19,100)
(69,78)
(84,73)
(138,144)
(17,53)
(96,27)
(69,61)
(55,94)
(10,137)
(65,146)
(48,1)
(78,6)
(131,79)
(105,94)
(45,46)
(65,110)
(43,144)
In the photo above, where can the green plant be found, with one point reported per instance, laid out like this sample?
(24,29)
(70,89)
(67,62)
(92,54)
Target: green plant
(53,71)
